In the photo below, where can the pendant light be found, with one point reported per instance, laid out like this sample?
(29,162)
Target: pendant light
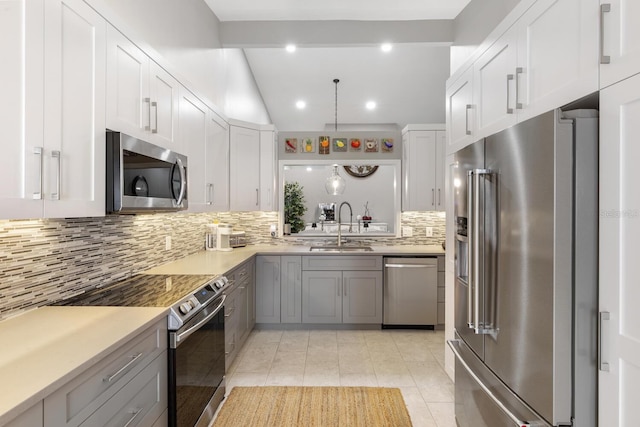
(335,183)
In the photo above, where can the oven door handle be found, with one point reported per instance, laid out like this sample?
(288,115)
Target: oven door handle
(182,335)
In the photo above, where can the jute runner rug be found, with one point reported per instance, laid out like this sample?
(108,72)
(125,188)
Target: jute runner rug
(313,407)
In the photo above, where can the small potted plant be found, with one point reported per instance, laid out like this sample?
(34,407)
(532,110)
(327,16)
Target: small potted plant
(294,207)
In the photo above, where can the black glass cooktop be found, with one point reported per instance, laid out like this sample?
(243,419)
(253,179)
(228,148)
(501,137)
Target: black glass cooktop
(142,290)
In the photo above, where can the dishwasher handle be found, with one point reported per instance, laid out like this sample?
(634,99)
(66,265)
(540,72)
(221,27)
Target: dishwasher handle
(410,265)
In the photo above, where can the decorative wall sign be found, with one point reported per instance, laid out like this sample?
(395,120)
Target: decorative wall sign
(371,145)
(339,144)
(291,145)
(387,144)
(308,145)
(324,144)
(360,171)
(355,144)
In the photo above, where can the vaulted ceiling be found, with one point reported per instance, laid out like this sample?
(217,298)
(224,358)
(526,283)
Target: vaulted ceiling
(342,39)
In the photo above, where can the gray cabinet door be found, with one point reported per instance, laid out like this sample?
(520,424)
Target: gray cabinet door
(322,297)
(291,289)
(362,297)
(268,289)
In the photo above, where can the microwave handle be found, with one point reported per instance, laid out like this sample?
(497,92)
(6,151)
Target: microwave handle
(183,181)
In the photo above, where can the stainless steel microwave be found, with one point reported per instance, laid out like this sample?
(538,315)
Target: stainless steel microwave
(143,177)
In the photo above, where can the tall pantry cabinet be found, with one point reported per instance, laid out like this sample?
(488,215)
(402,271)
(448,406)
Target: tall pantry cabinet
(53,113)
(619,225)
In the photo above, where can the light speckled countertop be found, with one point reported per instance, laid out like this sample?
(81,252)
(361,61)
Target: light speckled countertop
(216,262)
(45,348)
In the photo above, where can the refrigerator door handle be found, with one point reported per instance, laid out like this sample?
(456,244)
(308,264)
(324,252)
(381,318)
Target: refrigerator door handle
(453,344)
(478,207)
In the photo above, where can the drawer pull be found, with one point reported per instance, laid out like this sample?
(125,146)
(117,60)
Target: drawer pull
(119,371)
(135,413)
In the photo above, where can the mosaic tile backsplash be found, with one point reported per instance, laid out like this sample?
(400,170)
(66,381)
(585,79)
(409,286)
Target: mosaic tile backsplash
(43,261)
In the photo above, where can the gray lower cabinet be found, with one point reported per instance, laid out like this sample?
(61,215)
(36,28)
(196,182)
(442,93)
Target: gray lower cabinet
(239,309)
(342,297)
(268,289)
(128,387)
(322,297)
(291,289)
(278,289)
(32,417)
(342,289)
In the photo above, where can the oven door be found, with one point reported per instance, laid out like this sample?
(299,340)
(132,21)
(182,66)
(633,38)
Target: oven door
(197,367)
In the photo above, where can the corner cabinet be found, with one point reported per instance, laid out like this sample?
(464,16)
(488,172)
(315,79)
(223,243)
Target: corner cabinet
(423,154)
(252,167)
(142,98)
(460,111)
(342,289)
(53,110)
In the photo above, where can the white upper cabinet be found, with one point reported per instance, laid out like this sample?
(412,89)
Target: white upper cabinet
(206,137)
(495,86)
(460,111)
(547,58)
(193,131)
(143,99)
(423,152)
(21,109)
(619,48)
(557,55)
(217,155)
(252,167)
(74,101)
(54,110)
(268,169)
(244,168)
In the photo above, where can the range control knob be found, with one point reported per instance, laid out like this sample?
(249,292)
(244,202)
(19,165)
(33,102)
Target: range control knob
(185,307)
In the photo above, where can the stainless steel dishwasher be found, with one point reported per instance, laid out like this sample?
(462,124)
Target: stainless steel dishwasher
(410,292)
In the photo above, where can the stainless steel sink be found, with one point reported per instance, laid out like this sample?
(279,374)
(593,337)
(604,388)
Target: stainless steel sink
(336,248)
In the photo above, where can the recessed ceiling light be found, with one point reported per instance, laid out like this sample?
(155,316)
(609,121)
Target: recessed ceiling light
(370,105)
(386,47)
(291,48)
(301,104)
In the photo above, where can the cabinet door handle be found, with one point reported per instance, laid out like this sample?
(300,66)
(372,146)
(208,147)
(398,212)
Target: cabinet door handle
(439,198)
(433,197)
(56,155)
(257,197)
(38,152)
(121,370)
(466,117)
(154,104)
(135,413)
(519,71)
(210,194)
(344,287)
(147,101)
(604,315)
(509,79)
(604,8)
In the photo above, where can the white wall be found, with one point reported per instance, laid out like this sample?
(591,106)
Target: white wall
(473,25)
(186,34)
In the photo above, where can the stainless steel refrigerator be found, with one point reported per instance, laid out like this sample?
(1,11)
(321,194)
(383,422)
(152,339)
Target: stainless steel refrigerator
(526,274)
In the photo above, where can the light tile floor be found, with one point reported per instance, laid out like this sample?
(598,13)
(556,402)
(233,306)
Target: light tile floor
(408,359)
